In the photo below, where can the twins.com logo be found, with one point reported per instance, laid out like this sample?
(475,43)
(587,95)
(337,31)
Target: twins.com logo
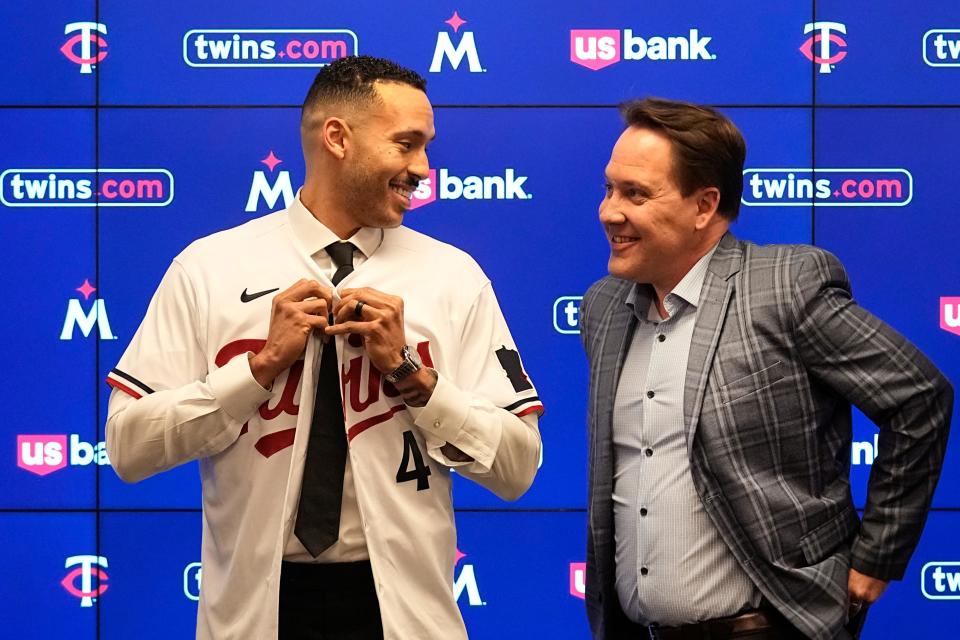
(827,187)
(267,47)
(86,187)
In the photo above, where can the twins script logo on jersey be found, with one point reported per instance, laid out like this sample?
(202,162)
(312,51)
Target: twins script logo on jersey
(44,454)
(454,54)
(93,48)
(270,188)
(578,579)
(93,580)
(466,581)
(941,47)
(950,314)
(446,186)
(824,40)
(267,47)
(86,319)
(599,48)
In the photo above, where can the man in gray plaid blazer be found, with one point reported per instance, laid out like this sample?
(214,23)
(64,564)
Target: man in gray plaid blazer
(722,375)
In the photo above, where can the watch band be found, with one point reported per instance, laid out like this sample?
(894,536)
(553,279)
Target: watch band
(409,366)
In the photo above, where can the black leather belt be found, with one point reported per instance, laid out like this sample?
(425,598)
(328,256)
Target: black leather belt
(721,628)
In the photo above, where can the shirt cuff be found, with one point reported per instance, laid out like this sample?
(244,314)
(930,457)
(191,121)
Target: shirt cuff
(444,419)
(235,388)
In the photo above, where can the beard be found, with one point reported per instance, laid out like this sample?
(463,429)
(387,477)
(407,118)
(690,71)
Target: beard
(368,198)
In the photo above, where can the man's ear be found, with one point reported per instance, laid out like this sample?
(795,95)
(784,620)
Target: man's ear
(335,136)
(708,200)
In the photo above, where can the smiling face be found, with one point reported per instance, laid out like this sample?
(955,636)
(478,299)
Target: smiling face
(387,156)
(656,234)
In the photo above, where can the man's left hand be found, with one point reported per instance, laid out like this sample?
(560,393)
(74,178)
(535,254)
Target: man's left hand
(863,590)
(379,323)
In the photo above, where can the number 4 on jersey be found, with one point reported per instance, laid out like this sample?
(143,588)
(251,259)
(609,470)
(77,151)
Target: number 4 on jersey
(420,470)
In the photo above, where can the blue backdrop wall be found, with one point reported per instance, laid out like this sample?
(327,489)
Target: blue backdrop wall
(133,128)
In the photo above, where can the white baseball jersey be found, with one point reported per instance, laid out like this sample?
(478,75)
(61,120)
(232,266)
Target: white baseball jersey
(184,390)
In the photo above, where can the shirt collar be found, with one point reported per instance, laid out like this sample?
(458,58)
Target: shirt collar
(640,296)
(314,236)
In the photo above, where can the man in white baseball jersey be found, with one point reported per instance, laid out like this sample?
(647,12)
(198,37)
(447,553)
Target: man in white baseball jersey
(379,337)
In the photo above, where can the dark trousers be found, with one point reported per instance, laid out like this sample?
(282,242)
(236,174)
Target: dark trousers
(329,602)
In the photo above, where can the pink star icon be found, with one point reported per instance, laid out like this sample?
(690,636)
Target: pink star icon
(271,161)
(86,289)
(456,22)
(460,556)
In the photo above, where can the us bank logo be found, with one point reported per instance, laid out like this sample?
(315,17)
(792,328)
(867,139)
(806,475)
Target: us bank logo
(566,314)
(596,49)
(86,48)
(950,314)
(443,185)
(941,47)
(826,187)
(578,579)
(940,581)
(825,47)
(88,581)
(86,187)
(45,454)
(454,54)
(267,47)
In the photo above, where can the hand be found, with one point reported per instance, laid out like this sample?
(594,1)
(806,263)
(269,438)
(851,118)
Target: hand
(295,313)
(380,324)
(863,590)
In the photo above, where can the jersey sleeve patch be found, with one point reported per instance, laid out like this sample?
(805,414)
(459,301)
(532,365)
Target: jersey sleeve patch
(510,361)
(128,384)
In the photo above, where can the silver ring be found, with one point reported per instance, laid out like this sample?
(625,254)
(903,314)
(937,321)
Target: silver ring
(358,310)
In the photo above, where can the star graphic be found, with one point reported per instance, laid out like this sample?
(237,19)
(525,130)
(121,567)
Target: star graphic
(456,22)
(271,161)
(460,556)
(86,289)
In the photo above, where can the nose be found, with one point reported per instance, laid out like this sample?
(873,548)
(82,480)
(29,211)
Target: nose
(419,167)
(610,212)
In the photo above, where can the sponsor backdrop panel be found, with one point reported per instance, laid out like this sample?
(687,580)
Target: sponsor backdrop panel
(153,595)
(476,52)
(48,268)
(885,213)
(895,53)
(56,575)
(926,603)
(52,51)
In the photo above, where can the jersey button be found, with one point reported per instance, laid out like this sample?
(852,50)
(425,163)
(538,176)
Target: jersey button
(650,394)
(644,571)
(436,423)
(661,338)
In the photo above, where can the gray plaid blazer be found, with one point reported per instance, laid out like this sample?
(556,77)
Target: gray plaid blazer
(779,352)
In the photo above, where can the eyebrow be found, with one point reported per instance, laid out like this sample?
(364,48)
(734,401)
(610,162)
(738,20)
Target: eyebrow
(415,133)
(628,183)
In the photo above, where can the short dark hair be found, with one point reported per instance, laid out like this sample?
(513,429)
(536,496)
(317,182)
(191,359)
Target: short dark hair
(350,81)
(708,149)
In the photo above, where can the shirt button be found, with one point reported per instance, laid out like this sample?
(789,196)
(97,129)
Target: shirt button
(661,338)
(436,423)
(649,452)
(650,394)
(644,571)
(643,511)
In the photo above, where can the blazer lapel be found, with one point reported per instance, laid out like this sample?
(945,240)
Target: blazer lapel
(711,313)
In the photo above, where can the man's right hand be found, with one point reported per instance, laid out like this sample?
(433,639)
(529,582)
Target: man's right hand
(296,312)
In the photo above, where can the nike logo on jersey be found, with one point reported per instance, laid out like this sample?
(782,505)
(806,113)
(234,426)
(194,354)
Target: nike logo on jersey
(248,297)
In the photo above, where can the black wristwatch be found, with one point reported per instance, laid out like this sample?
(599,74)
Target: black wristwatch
(411,364)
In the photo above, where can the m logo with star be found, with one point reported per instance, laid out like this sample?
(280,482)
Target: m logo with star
(86,319)
(454,54)
(270,188)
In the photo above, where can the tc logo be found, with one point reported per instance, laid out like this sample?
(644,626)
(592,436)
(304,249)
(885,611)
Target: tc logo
(578,579)
(566,314)
(467,581)
(822,40)
(445,49)
(261,186)
(939,584)
(191,581)
(86,572)
(950,314)
(86,38)
(76,316)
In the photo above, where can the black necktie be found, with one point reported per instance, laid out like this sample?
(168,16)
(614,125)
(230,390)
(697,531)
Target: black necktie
(318,514)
